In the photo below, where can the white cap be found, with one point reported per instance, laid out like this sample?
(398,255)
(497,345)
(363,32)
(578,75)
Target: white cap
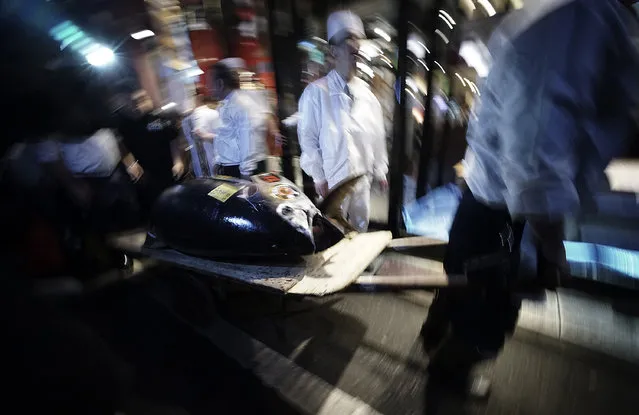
(345,21)
(234,63)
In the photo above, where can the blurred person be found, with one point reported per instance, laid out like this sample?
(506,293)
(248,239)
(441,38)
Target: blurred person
(84,160)
(239,146)
(198,127)
(555,108)
(341,124)
(152,136)
(264,119)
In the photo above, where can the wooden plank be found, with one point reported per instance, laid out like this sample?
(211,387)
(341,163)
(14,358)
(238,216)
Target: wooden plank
(343,265)
(320,274)
(414,241)
(428,280)
(398,264)
(278,278)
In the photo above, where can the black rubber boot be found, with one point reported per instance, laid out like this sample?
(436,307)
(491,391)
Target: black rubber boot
(451,369)
(437,324)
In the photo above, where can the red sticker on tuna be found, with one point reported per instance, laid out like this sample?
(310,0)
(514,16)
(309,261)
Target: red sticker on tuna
(284,192)
(269,178)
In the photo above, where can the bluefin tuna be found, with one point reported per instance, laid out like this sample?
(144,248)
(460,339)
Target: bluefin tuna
(266,216)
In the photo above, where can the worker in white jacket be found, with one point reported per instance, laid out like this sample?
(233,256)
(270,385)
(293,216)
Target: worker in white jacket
(341,124)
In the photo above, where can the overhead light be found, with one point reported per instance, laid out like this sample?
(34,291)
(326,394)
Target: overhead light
(423,64)
(447,17)
(446,20)
(142,34)
(440,67)
(366,69)
(381,33)
(411,84)
(460,79)
(490,10)
(474,55)
(168,106)
(424,46)
(444,38)
(386,61)
(100,56)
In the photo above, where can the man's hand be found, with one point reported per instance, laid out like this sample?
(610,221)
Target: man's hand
(178,170)
(202,135)
(321,188)
(135,171)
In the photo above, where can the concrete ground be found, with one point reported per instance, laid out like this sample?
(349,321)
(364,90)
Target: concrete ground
(347,353)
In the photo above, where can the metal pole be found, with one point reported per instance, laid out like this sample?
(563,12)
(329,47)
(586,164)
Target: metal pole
(396,192)
(427,129)
(278,57)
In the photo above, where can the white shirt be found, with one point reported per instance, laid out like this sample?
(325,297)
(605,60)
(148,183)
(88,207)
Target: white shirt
(237,141)
(341,135)
(97,155)
(207,120)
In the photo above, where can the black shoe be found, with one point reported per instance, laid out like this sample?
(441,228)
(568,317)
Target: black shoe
(451,369)
(433,334)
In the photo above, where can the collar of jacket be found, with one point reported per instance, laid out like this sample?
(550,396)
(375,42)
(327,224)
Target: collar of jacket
(336,84)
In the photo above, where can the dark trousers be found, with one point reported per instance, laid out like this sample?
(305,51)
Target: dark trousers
(234,170)
(484,244)
(114,205)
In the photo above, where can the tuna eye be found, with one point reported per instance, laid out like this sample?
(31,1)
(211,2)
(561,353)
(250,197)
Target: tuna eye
(287,211)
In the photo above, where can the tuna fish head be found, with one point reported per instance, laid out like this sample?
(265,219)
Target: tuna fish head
(297,210)
(267,216)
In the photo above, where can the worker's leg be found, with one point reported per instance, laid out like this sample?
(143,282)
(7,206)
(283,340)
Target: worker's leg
(357,207)
(481,314)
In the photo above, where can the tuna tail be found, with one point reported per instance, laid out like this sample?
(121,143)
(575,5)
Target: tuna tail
(331,205)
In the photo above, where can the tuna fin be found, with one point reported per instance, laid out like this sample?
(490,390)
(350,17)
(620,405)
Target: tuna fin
(331,205)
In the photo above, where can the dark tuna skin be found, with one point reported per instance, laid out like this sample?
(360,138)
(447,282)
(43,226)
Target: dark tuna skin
(188,219)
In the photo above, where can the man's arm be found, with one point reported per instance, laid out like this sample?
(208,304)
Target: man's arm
(247,144)
(176,154)
(308,131)
(380,151)
(202,128)
(129,161)
(48,155)
(203,135)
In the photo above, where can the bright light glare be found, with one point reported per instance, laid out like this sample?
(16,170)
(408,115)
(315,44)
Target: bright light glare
(100,56)
(444,38)
(386,61)
(411,84)
(472,54)
(448,17)
(382,34)
(194,72)
(168,106)
(440,67)
(366,69)
(446,21)
(490,10)
(369,50)
(142,34)
(460,79)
